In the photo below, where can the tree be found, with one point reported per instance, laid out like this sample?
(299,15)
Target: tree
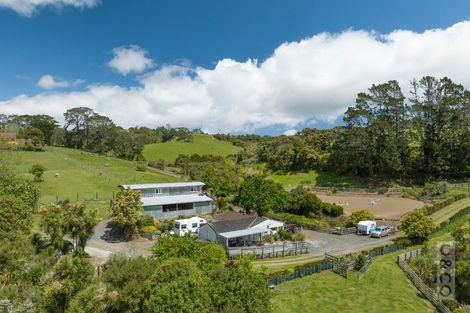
(207,256)
(37,170)
(238,285)
(125,211)
(261,195)
(77,126)
(79,224)
(15,216)
(52,223)
(69,276)
(417,225)
(13,184)
(304,202)
(129,279)
(360,215)
(96,298)
(178,286)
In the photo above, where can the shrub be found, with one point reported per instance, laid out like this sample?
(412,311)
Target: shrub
(145,220)
(159,164)
(284,234)
(37,170)
(360,261)
(12,145)
(332,210)
(149,229)
(417,225)
(434,189)
(357,216)
(298,237)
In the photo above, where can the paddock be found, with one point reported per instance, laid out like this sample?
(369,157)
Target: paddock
(390,207)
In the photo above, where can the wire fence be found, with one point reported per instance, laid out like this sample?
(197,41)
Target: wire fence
(418,282)
(324,264)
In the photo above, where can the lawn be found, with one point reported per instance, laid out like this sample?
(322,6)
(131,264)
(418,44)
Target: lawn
(446,212)
(81,173)
(385,288)
(201,144)
(313,178)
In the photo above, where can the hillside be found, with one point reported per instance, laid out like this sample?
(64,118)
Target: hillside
(82,173)
(201,144)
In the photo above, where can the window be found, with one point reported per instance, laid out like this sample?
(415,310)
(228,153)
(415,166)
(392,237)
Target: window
(194,189)
(183,226)
(146,193)
(185,206)
(194,225)
(158,191)
(169,207)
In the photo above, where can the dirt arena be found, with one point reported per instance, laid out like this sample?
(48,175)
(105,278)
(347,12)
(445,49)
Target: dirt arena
(383,207)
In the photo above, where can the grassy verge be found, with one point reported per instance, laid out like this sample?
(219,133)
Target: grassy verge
(384,288)
(446,212)
(201,144)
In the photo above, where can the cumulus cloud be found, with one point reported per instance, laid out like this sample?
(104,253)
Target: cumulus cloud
(29,7)
(290,132)
(316,78)
(130,59)
(49,82)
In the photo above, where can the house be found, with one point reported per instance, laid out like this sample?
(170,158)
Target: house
(233,229)
(189,225)
(171,200)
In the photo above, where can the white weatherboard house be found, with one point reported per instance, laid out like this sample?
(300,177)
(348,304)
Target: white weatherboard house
(188,225)
(170,200)
(233,229)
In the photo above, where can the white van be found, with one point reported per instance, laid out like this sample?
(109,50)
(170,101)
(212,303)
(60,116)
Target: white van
(188,225)
(365,227)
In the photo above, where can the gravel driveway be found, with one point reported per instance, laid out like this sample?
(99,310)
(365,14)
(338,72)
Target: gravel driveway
(319,243)
(103,244)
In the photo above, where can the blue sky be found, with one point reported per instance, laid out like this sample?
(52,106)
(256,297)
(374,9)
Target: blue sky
(74,45)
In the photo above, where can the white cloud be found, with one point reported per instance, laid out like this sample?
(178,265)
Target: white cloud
(313,79)
(290,132)
(49,82)
(130,59)
(29,7)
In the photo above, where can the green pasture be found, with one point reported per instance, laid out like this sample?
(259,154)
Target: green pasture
(201,144)
(313,178)
(80,176)
(384,288)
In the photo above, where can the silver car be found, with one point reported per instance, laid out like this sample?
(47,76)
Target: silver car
(380,231)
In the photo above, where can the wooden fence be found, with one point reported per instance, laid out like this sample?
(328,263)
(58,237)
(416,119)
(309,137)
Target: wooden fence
(269,251)
(309,269)
(418,282)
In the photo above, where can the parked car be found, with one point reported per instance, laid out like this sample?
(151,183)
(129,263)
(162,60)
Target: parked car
(380,231)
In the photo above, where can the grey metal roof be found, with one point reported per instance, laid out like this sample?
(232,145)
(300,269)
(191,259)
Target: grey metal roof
(242,221)
(244,232)
(163,185)
(162,200)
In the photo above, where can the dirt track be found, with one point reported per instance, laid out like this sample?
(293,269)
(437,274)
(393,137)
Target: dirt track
(383,207)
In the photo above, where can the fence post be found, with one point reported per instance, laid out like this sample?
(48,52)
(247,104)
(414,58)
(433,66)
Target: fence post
(77,196)
(97,195)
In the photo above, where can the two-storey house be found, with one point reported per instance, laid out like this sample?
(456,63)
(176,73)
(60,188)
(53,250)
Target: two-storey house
(170,200)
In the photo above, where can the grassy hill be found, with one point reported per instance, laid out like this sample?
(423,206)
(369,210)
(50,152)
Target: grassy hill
(82,173)
(201,144)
